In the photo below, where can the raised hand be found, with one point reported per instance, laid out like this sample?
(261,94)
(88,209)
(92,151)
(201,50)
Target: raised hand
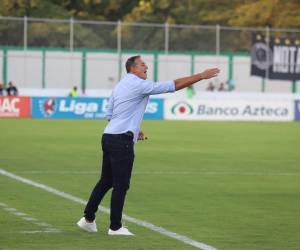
(210,73)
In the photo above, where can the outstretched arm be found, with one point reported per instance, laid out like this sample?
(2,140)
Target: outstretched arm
(190,80)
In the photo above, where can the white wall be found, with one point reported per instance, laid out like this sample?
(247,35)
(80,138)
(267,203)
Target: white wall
(101,70)
(63,69)
(241,75)
(24,68)
(171,67)
(277,86)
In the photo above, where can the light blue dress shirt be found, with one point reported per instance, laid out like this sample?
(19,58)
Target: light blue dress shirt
(128,102)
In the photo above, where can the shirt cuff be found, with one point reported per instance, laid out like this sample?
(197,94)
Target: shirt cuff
(172,86)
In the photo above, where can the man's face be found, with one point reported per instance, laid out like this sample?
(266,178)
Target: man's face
(140,68)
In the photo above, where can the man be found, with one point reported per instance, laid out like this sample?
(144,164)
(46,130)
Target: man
(222,87)
(11,90)
(210,87)
(126,108)
(74,92)
(190,92)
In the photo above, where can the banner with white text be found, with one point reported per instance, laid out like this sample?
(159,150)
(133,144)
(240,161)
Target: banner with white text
(234,110)
(84,108)
(15,107)
(277,59)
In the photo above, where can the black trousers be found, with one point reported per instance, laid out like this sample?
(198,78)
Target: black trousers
(118,157)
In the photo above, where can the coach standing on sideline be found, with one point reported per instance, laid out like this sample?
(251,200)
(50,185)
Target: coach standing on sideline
(126,108)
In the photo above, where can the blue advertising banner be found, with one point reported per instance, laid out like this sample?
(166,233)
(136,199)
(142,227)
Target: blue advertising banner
(154,109)
(69,108)
(83,108)
(297,110)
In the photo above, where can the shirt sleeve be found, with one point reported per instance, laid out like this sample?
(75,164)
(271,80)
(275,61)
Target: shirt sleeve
(110,107)
(154,88)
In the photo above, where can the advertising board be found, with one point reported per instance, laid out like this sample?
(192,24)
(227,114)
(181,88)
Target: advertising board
(15,107)
(84,108)
(239,110)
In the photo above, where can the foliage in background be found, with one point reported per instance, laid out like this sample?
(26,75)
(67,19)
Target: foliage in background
(274,13)
(255,13)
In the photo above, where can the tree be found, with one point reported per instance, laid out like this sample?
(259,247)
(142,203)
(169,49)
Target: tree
(255,13)
(272,13)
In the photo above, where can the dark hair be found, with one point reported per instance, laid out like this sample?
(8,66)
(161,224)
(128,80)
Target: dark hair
(131,63)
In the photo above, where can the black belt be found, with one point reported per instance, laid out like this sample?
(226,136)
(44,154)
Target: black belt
(127,135)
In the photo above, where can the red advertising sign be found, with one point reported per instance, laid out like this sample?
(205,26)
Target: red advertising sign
(16,107)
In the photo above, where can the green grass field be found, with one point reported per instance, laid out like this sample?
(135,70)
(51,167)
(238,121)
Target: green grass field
(231,185)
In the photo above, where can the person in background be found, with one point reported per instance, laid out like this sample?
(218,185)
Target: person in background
(12,90)
(210,87)
(222,87)
(231,85)
(73,92)
(1,89)
(190,92)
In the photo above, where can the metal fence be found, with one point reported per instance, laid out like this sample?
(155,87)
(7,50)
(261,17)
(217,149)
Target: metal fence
(77,35)
(73,34)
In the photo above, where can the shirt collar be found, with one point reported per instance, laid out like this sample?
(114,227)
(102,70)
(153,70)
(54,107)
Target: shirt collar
(131,75)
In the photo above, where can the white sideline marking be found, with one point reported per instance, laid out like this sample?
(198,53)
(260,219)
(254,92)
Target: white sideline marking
(42,224)
(29,219)
(19,214)
(10,209)
(41,231)
(14,211)
(33,232)
(145,224)
(166,173)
